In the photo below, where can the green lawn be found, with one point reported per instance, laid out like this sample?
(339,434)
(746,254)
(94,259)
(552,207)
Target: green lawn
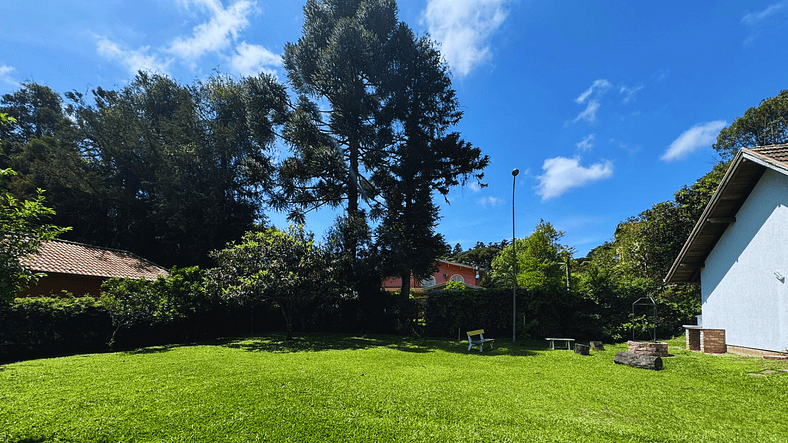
(379,388)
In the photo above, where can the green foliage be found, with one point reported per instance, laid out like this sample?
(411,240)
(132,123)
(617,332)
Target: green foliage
(539,313)
(480,255)
(6,120)
(540,259)
(423,159)
(174,298)
(454,285)
(132,302)
(164,170)
(284,269)
(41,326)
(23,229)
(611,287)
(184,169)
(763,125)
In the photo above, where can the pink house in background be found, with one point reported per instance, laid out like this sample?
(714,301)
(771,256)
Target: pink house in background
(470,276)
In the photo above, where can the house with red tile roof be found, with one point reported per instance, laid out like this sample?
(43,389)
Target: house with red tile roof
(468,275)
(738,252)
(80,269)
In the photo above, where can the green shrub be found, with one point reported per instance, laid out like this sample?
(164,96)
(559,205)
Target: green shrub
(43,326)
(539,313)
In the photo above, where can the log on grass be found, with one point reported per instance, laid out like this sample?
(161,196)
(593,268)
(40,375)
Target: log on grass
(597,346)
(639,360)
(581,349)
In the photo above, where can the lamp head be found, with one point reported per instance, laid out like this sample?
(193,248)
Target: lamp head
(515,171)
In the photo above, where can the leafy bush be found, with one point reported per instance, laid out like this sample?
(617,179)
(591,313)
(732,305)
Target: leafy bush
(172,300)
(539,313)
(42,326)
(283,269)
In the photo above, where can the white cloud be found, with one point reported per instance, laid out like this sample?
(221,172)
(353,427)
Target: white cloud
(767,21)
(490,201)
(217,33)
(587,143)
(660,75)
(599,87)
(464,28)
(5,76)
(474,186)
(757,18)
(628,93)
(250,60)
(562,174)
(590,97)
(132,60)
(698,136)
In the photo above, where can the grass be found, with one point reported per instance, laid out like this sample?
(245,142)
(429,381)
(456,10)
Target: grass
(389,389)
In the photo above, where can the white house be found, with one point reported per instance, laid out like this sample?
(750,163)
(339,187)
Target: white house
(739,251)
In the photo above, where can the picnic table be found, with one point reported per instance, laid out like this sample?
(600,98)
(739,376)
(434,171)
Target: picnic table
(552,341)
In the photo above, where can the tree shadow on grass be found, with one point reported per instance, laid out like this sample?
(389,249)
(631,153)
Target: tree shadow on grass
(152,349)
(305,343)
(327,342)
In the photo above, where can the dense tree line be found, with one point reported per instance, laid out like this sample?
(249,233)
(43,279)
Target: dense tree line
(163,170)
(172,172)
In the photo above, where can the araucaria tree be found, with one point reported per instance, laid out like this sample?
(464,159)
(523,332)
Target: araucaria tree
(425,156)
(383,144)
(285,269)
(339,62)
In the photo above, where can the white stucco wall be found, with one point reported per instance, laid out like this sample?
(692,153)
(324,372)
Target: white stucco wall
(740,291)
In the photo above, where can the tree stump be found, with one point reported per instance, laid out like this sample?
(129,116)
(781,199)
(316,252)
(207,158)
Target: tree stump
(581,349)
(639,360)
(597,346)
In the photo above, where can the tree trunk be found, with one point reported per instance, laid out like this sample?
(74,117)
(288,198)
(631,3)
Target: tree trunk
(639,360)
(405,287)
(288,322)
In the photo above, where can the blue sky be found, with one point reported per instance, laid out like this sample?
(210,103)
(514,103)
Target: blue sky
(605,107)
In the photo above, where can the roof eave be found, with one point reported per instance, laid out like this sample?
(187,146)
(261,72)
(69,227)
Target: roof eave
(696,230)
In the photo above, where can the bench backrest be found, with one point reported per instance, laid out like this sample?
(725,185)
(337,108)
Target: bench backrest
(479,332)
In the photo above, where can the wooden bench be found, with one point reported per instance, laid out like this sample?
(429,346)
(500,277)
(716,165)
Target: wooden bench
(481,341)
(553,340)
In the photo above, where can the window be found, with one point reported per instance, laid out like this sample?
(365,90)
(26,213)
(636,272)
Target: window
(457,277)
(428,282)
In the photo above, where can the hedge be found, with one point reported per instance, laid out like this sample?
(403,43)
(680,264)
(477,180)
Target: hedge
(44,327)
(539,314)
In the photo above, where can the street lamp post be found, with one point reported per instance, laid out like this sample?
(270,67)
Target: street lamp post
(514,264)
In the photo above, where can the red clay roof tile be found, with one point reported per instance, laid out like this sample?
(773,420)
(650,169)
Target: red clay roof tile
(75,258)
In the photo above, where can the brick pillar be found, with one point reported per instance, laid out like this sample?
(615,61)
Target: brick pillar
(712,341)
(693,339)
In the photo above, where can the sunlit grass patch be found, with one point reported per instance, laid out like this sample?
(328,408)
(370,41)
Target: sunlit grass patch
(377,388)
